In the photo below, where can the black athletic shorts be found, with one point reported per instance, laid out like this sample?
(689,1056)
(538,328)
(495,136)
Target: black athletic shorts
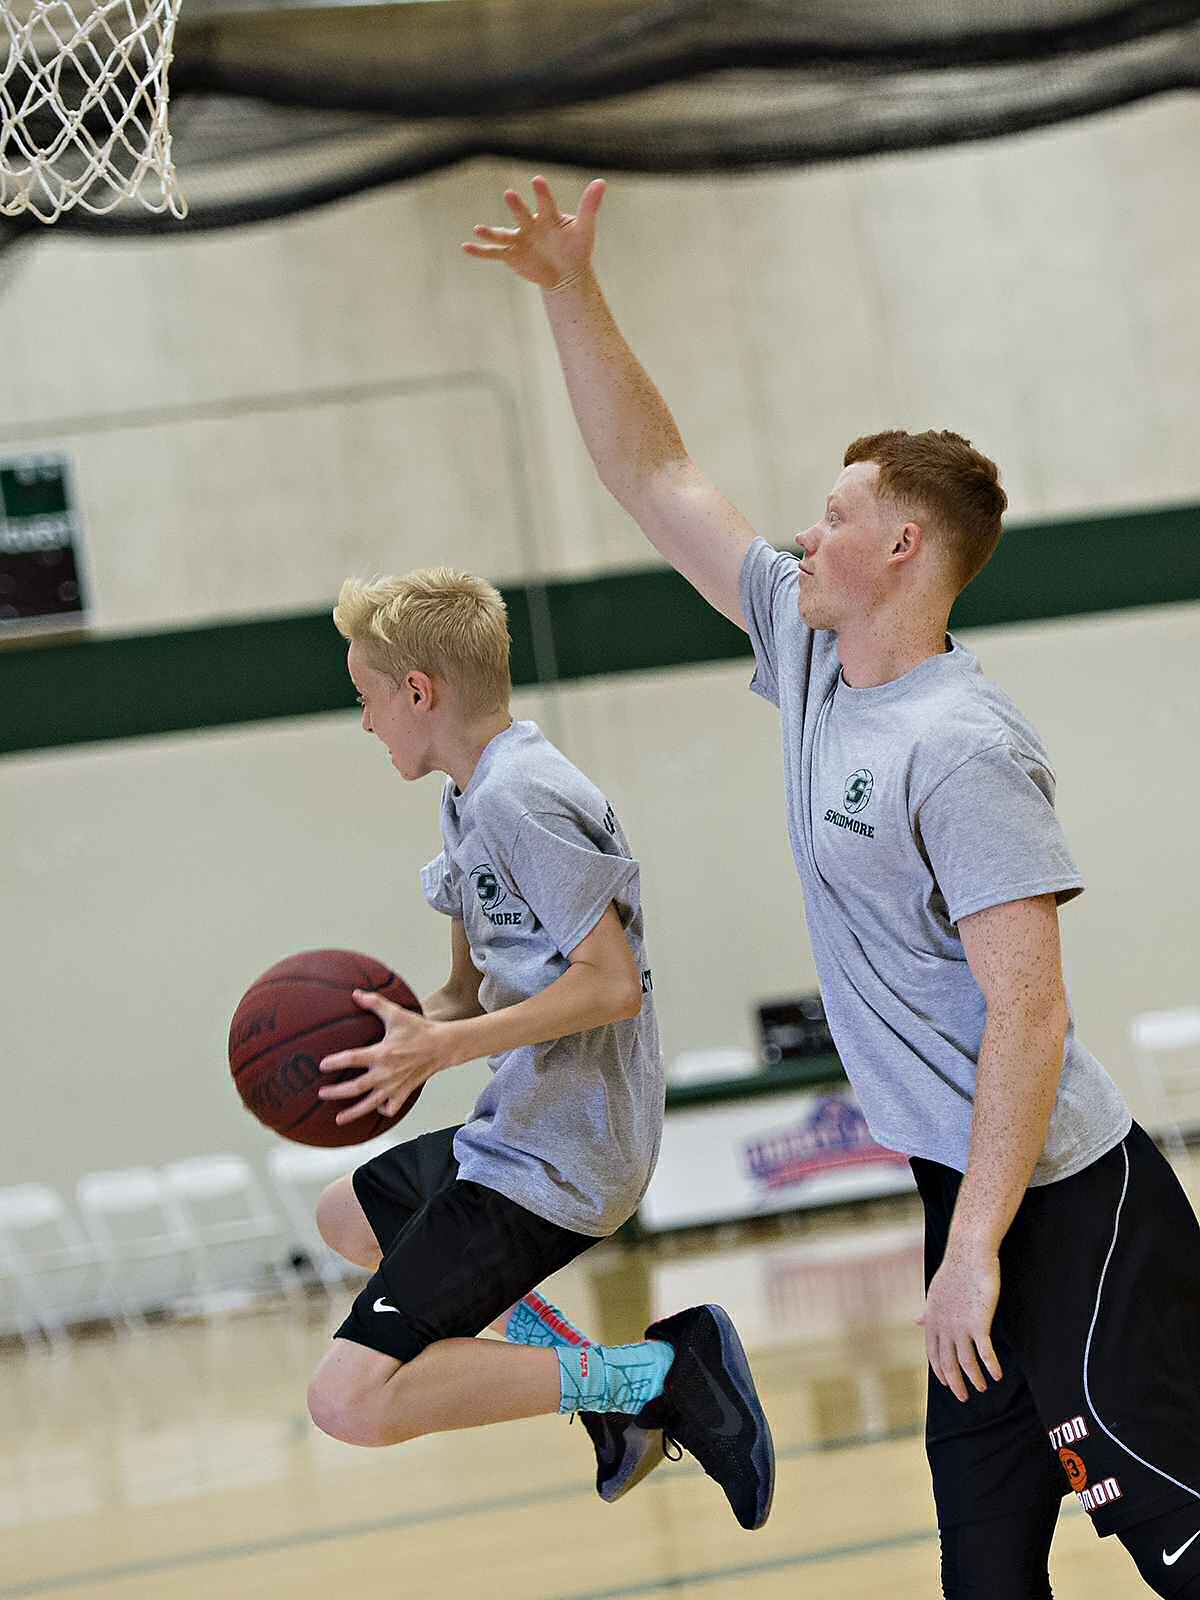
(1098,1335)
(456,1255)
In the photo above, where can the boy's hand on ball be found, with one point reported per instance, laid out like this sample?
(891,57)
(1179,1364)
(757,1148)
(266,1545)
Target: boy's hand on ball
(412,1049)
(548,247)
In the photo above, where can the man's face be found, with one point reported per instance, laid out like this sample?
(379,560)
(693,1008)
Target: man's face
(389,712)
(843,564)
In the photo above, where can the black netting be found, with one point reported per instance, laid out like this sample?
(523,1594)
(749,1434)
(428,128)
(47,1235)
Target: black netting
(274,112)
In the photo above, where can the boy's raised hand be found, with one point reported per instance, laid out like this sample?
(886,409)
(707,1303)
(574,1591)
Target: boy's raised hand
(549,247)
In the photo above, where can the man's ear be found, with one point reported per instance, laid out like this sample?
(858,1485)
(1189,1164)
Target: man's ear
(908,541)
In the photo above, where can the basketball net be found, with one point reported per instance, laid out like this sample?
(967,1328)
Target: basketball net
(83,106)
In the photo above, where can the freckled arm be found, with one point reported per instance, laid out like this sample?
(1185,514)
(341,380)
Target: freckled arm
(1014,953)
(626,425)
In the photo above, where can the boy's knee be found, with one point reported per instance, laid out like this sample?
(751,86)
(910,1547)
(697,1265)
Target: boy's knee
(330,1411)
(343,1410)
(346,1394)
(342,1223)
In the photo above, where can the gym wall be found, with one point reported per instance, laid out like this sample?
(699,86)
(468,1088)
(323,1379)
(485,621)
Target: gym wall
(252,416)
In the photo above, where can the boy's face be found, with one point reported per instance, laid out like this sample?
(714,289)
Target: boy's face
(393,712)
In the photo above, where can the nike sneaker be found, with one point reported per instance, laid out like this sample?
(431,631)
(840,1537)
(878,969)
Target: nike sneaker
(711,1407)
(625,1451)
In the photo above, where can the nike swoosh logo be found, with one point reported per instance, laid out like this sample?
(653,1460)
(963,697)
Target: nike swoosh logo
(382,1305)
(1169,1561)
(731,1423)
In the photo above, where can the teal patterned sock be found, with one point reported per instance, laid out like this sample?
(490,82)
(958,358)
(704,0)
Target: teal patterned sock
(612,1377)
(535,1321)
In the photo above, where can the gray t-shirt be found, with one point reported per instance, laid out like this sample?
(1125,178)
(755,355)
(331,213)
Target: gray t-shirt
(911,805)
(533,856)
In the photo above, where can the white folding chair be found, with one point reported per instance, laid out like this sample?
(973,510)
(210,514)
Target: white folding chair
(226,1206)
(40,1239)
(299,1173)
(132,1216)
(1166,1048)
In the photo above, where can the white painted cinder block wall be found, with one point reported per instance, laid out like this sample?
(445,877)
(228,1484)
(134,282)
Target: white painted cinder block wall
(1037,294)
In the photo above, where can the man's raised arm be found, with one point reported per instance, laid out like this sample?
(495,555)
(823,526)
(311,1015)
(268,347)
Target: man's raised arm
(630,433)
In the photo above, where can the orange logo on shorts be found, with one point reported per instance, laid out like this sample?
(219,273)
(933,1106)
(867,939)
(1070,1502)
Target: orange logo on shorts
(1075,1469)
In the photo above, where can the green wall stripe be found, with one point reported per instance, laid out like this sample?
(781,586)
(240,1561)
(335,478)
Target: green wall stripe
(138,685)
(1068,569)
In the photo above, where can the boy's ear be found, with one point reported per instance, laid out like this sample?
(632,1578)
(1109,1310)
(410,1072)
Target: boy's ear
(418,686)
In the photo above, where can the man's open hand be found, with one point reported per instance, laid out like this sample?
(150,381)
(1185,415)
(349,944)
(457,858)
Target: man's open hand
(547,247)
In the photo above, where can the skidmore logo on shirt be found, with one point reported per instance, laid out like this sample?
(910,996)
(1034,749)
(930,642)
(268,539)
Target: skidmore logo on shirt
(860,786)
(492,895)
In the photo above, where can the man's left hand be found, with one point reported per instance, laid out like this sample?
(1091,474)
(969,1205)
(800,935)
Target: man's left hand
(959,1308)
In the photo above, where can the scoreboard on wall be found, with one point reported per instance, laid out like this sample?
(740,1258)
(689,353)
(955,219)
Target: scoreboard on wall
(41,579)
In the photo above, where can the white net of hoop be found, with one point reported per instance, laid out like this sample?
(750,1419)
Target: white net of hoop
(83,106)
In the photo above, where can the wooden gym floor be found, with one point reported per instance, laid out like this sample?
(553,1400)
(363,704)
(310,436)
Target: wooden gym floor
(181,1462)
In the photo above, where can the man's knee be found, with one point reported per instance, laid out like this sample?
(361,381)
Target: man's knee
(1004,1558)
(345,1396)
(342,1223)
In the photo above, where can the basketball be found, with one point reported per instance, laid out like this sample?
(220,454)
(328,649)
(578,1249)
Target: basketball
(300,1011)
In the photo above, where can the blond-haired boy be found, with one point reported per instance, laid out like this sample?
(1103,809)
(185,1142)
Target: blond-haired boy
(550,981)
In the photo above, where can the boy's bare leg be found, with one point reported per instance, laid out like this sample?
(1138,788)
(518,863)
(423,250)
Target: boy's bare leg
(362,1397)
(342,1223)
(365,1398)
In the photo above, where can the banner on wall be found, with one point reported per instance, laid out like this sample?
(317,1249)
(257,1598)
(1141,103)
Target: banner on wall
(41,580)
(735,1160)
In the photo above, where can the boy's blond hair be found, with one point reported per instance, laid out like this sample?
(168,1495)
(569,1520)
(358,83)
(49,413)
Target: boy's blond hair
(449,624)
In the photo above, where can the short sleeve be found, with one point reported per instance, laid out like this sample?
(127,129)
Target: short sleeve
(991,835)
(564,878)
(769,585)
(441,884)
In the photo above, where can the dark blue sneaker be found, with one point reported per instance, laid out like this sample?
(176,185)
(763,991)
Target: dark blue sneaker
(711,1407)
(625,1451)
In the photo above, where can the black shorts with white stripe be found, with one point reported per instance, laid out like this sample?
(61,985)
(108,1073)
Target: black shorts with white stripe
(1098,1335)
